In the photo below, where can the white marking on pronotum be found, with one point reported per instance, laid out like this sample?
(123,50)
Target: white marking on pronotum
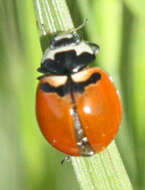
(79,49)
(60,37)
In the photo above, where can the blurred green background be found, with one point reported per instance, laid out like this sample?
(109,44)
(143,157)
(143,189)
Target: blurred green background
(27,161)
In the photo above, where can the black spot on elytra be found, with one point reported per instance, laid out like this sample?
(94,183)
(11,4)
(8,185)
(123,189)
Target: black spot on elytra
(70,86)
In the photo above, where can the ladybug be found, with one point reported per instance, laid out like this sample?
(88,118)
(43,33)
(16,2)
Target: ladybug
(78,108)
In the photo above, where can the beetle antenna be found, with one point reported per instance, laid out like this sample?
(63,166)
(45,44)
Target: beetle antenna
(81,26)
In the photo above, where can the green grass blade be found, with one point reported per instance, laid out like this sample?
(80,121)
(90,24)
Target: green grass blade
(104,171)
(136,102)
(137,8)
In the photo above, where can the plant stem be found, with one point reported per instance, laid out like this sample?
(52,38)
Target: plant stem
(52,16)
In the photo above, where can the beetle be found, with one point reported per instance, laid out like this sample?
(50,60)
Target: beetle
(78,108)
